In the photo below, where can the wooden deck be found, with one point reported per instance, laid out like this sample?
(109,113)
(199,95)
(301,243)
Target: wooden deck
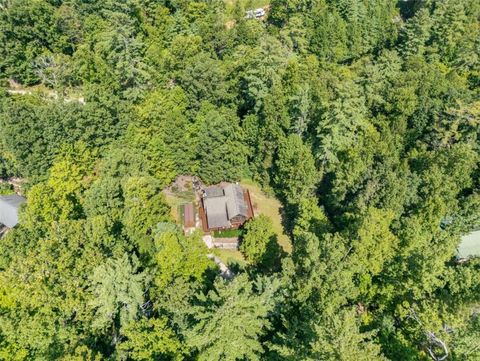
(248,200)
(203,218)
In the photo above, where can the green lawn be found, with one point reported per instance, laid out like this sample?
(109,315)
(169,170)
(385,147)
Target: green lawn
(271,207)
(229,256)
(181,213)
(229,233)
(176,199)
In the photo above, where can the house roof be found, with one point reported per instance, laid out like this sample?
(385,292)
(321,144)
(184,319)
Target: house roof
(214,191)
(216,211)
(222,204)
(9,206)
(235,201)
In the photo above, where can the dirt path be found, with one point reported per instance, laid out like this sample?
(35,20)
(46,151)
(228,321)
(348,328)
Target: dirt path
(18,89)
(15,182)
(225,272)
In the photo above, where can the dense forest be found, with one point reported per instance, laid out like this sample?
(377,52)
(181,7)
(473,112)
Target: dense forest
(361,116)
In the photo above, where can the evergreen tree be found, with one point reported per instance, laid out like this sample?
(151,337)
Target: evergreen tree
(296,171)
(230,320)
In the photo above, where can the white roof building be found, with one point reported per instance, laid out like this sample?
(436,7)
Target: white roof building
(9,207)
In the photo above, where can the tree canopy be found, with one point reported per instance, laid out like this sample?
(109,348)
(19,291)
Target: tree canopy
(361,117)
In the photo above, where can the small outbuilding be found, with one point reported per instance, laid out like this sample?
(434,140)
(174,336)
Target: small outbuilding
(9,208)
(189,218)
(188,215)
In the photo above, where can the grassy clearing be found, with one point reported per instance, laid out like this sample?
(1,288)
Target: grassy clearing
(272,208)
(181,214)
(68,94)
(228,233)
(175,199)
(229,256)
(262,204)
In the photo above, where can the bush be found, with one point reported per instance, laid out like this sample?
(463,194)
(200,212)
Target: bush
(6,188)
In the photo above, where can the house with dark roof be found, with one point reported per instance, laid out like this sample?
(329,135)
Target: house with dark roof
(226,207)
(9,208)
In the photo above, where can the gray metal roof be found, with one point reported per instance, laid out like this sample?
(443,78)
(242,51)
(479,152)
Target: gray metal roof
(235,202)
(223,204)
(9,206)
(216,211)
(214,191)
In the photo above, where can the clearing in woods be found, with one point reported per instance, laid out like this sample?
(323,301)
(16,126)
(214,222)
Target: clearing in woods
(246,5)
(262,204)
(272,208)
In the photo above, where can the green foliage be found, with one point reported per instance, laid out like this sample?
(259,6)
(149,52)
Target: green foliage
(150,339)
(230,319)
(41,289)
(362,116)
(35,24)
(158,135)
(6,188)
(296,174)
(60,197)
(339,338)
(376,244)
(34,131)
(145,207)
(259,244)
(310,218)
(179,257)
(118,294)
(220,152)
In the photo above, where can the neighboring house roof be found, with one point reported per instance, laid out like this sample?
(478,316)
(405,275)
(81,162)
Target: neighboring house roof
(470,245)
(223,204)
(9,206)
